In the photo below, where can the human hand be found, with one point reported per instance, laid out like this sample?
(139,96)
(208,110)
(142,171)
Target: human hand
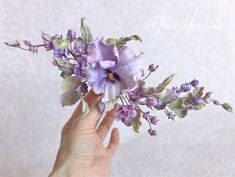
(81,152)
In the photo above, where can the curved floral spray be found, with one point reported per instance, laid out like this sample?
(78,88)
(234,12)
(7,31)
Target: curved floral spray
(110,68)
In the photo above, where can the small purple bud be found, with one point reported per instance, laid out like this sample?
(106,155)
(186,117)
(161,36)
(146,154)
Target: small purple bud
(160,105)
(152,132)
(185,87)
(194,82)
(216,102)
(152,67)
(207,96)
(71,35)
(151,102)
(196,101)
(153,120)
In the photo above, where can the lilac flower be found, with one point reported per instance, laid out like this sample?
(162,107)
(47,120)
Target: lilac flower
(126,113)
(79,72)
(153,120)
(60,53)
(111,71)
(80,48)
(146,115)
(169,114)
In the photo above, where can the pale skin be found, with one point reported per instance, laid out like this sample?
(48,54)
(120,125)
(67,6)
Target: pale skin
(81,152)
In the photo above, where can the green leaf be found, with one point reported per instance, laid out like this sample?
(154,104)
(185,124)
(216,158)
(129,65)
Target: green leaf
(166,82)
(227,107)
(133,37)
(69,98)
(198,92)
(85,108)
(109,105)
(136,122)
(200,106)
(112,41)
(85,30)
(69,83)
(178,108)
(61,44)
(62,62)
(123,40)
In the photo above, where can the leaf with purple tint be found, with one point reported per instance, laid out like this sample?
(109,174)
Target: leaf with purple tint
(69,83)
(166,82)
(178,108)
(198,92)
(69,98)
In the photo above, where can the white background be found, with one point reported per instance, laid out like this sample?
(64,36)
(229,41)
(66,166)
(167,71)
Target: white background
(31,116)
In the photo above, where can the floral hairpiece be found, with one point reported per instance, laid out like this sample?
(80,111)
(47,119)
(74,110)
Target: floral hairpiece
(110,68)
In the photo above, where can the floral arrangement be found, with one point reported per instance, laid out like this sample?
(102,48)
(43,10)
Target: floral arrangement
(110,68)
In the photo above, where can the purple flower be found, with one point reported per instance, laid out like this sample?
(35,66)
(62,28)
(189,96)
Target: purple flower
(60,53)
(126,113)
(80,49)
(169,114)
(111,70)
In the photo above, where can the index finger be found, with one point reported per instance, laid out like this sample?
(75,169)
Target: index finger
(91,99)
(90,121)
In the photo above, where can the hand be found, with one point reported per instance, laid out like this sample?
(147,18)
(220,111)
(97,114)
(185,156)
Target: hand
(81,152)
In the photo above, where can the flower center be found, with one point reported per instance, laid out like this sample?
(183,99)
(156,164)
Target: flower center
(112,76)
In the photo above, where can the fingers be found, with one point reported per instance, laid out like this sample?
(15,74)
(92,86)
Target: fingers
(106,124)
(89,121)
(113,143)
(91,98)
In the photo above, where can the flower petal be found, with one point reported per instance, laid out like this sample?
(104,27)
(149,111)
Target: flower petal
(127,80)
(94,74)
(105,64)
(100,50)
(112,90)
